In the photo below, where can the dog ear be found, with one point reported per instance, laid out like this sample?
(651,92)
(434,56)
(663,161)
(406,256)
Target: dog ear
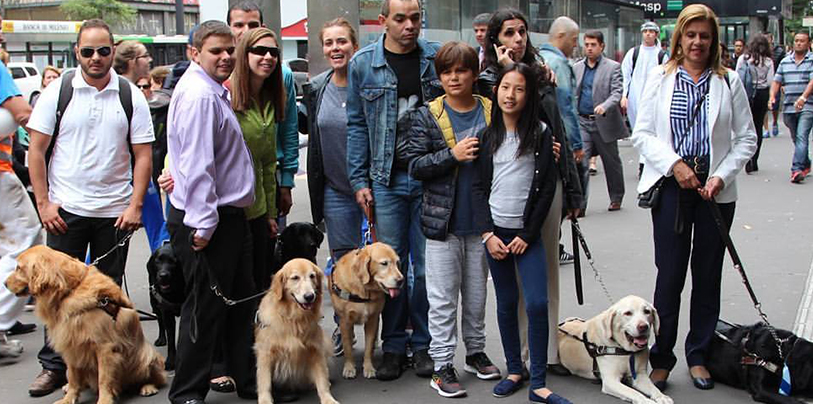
(43,276)
(607,323)
(362,266)
(320,278)
(278,285)
(656,320)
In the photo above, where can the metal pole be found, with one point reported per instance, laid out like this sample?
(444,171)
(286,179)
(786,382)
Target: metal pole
(179,23)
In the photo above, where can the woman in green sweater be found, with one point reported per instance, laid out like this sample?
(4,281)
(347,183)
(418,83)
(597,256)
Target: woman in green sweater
(258,98)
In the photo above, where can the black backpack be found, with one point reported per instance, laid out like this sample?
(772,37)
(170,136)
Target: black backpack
(637,50)
(65,95)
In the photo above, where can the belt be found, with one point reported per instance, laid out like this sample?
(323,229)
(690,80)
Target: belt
(222,210)
(585,116)
(698,164)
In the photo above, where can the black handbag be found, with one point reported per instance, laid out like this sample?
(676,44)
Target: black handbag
(649,199)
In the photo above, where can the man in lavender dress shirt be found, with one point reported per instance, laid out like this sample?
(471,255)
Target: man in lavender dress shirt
(214,181)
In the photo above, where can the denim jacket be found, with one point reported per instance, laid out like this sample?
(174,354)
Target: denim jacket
(372,109)
(565,88)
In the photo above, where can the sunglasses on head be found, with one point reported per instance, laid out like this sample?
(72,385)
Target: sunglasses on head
(264,50)
(104,51)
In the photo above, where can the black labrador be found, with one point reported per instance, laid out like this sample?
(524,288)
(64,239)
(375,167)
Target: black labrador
(166,296)
(747,357)
(298,240)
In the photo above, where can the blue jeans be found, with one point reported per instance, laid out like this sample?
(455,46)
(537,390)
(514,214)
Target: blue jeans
(343,219)
(532,267)
(799,125)
(153,218)
(397,213)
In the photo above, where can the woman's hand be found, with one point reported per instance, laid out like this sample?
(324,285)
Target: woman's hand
(517,246)
(503,55)
(165,181)
(496,248)
(685,176)
(713,187)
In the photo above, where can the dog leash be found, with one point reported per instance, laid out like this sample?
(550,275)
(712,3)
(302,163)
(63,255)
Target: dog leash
(574,224)
(369,211)
(577,262)
(735,258)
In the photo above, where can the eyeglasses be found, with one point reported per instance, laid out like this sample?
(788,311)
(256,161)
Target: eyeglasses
(143,86)
(103,51)
(264,50)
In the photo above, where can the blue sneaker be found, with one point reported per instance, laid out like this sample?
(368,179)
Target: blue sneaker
(775,131)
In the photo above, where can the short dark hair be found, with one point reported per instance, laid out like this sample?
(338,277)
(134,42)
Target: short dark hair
(597,35)
(94,23)
(385,6)
(481,19)
(805,33)
(453,53)
(740,40)
(209,28)
(247,6)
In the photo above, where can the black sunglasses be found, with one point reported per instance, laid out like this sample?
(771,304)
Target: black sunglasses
(143,86)
(264,50)
(104,51)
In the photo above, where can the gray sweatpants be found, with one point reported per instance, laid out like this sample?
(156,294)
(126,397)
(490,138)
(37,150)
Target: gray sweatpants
(455,267)
(550,239)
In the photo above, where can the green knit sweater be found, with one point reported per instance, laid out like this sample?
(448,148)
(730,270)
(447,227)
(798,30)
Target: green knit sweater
(260,134)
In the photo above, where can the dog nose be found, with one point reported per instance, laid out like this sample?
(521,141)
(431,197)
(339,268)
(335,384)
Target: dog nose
(643,327)
(310,297)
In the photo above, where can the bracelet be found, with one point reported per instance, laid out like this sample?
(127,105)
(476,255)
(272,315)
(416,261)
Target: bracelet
(491,234)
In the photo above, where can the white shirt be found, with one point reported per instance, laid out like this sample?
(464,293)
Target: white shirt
(90,172)
(635,81)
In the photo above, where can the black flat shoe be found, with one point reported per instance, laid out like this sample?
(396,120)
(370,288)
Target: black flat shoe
(558,369)
(702,383)
(19,328)
(661,385)
(223,386)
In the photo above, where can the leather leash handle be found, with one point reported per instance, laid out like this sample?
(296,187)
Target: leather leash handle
(369,211)
(577,264)
(729,243)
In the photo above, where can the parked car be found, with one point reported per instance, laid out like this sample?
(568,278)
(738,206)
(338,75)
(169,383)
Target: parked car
(27,78)
(299,67)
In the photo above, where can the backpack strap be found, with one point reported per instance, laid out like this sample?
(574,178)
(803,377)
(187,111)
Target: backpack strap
(65,95)
(635,53)
(126,99)
(661,55)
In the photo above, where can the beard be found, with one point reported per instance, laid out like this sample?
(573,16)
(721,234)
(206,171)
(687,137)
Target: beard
(104,69)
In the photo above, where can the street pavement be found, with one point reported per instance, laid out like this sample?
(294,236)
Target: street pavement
(772,230)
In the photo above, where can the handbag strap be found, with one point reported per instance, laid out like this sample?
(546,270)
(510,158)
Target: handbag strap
(695,112)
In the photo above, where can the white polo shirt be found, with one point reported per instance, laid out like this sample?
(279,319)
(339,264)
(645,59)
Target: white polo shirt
(90,171)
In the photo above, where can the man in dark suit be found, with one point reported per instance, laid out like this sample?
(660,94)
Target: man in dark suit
(599,88)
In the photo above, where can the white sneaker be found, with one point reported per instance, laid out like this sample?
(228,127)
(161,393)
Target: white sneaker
(10,348)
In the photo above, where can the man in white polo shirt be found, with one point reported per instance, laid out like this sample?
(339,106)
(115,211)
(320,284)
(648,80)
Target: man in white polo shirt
(92,190)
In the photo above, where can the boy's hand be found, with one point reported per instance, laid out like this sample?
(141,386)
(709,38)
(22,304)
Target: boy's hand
(466,150)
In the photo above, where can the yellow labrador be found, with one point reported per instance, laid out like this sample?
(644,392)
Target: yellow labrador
(624,330)
(289,343)
(358,288)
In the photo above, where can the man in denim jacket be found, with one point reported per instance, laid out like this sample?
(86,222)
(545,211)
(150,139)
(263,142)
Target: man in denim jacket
(387,81)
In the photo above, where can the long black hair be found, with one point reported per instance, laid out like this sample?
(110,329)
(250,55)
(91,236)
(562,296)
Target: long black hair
(531,56)
(529,118)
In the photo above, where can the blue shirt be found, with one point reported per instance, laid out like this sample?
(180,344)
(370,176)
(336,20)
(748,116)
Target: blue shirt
(7,87)
(691,140)
(464,124)
(565,92)
(794,77)
(586,90)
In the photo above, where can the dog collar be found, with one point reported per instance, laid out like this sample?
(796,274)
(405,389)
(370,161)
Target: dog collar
(343,294)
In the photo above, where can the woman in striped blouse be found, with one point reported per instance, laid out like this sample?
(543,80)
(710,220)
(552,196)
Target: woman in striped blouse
(696,132)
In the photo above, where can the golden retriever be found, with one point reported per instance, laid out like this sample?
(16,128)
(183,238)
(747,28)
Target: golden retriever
(627,324)
(91,323)
(289,343)
(370,274)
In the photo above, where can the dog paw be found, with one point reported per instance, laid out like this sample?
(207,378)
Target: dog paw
(329,400)
(65,400)
(65,388)
(148,390)
(369,372)
(265,400)
(349,371)
(663,400)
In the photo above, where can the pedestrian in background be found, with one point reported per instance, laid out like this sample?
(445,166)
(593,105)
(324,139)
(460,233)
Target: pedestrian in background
(756,70)
(794,75)
(695,132)
(513,189)
(49,74)
(778,54)
(480,25)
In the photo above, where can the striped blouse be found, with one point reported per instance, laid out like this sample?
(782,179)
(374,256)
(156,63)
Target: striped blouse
(694,140)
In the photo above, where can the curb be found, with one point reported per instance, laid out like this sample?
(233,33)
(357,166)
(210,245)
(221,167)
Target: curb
(803,326)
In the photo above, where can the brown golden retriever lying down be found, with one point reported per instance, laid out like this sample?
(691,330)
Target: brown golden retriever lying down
(358,288)
(91,323)
(289,343)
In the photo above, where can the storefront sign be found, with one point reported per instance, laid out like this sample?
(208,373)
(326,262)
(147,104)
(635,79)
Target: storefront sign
(723,8)
(41,27)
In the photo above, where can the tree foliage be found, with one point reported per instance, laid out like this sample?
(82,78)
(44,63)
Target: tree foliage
(113,12)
